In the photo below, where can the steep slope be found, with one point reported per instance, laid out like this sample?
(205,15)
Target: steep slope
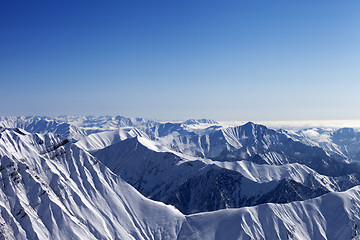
(343,141)
(195,185)
(250,142)
(331,216)
(97,141)
(52,189)
(200,121)
(43,125)
(106,123)
(74,127)
(348,140)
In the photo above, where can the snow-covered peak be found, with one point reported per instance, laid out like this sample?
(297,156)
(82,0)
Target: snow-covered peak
(71,195)
(101,140)
(332,216)
(344,142)
(65,193)
(200,121)
(53,188)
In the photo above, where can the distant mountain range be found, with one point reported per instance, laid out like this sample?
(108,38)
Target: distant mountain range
(97,178)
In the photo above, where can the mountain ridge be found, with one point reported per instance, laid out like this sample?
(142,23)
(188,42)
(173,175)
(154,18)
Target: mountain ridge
(238,182)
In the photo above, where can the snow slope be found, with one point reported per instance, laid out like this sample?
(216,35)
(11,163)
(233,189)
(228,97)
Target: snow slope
(195,184)
(331,216)
(97,141)
(43,125)
(251,142)
(343,141)
(51,189)
(74,127)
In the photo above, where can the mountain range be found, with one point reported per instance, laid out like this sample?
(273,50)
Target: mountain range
(113,177)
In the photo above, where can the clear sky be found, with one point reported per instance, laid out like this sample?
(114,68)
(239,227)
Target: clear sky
(174,60)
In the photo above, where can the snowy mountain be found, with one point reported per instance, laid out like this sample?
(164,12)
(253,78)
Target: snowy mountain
(343,141)
(74,127)
(51,189)
(250,142)
(104,139)
(197,185)
(43,125)
(63,178)
(102,123)
(331,216)
(200,121)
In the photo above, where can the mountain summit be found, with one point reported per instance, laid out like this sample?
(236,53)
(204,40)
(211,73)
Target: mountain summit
(123,178)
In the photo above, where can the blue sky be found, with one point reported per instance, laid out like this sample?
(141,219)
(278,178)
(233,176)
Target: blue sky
(173,60)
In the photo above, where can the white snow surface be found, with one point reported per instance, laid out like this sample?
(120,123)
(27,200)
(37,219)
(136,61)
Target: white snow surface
(104,139)
(267,173)
(255,172)
(53,188)
(298,125)
(331,216)
(344,142)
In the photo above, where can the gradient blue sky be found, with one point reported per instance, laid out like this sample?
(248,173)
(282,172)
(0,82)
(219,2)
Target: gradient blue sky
(173,60)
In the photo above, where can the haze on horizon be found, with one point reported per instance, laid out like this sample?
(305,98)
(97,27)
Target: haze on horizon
(239,60)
